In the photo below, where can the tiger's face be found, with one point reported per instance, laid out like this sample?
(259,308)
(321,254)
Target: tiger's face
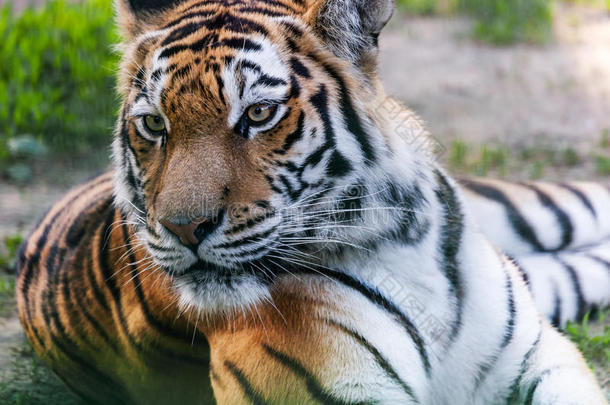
(240,133)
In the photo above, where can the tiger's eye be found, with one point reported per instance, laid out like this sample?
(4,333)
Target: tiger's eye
(154,123)
(260,112)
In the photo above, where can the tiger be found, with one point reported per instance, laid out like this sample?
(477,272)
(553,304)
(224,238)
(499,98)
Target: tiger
(266,236)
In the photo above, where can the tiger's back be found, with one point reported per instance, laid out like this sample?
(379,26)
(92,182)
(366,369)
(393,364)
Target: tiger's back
(93,315)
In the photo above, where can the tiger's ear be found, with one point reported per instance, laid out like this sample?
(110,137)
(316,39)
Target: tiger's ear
(350,28)
(135,17)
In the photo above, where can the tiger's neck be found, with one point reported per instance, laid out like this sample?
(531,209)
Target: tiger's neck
(407,234)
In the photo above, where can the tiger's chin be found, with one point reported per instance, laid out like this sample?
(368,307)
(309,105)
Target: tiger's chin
(211,290)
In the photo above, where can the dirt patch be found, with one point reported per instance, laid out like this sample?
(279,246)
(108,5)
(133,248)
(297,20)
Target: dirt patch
(479,93)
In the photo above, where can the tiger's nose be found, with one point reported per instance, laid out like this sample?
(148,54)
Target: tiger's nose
(196,231)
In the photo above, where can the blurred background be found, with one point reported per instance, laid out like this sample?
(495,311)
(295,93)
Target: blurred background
(517,89)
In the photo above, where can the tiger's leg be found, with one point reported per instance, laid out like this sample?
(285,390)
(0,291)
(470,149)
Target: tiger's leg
(318,343)
(555,373)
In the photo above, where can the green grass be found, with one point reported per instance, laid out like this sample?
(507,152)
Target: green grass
(498,22)
(602,165)
(8,252)
(492,158)
(8,258)
(605,142)
(598,3)
(510,21)
(27,381)
(428,7)
(57,74)
(592,339)
(501,22)
(524,163)
(7,294)
(458,155)
(481,160)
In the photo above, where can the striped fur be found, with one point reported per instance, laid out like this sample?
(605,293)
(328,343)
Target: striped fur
(344,266)
(558,234)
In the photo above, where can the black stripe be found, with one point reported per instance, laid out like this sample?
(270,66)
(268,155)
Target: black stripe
(240,44)
(412,227)
(97,292)
(376,297)
(225,21)
(196,14)
(156,75)
(253,396)
(599,260)
(151,6)
(149,347)
(269,81)
(295,88)
(581,304)
(142,94)
(529,400)
(313,386)
(194,47)
(351,117)
(287,7)
(516,219)
(249,223)
(450,241)
(161,249)
(509,330)
(109,276)
(80,308)
(21,256)
(567,229)
(512,311)
(33,262)
(138,199)
(138,81)
(516,385)
(524,275)
(264,11)
(52,318)
(556,317)
(294,136)
(250,253)
(288,187)
(152,321)
(248,64)
(83,263)
(89,266)
(181,32)
(299,68)
(379,358)
(220,84)
(292,29)
(338,165)
(182,73)
(582,197)
(256,238)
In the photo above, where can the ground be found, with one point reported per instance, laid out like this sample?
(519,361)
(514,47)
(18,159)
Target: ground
(520,112)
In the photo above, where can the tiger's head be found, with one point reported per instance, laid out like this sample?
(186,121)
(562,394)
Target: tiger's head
(247,139)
